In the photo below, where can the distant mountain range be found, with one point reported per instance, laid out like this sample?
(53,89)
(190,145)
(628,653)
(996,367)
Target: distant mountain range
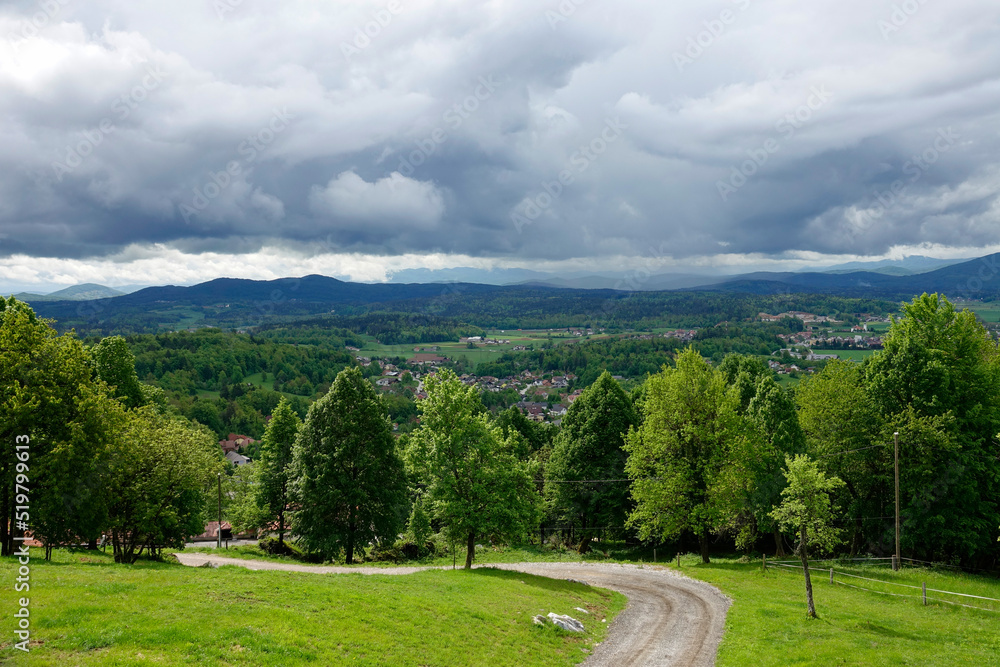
(637,279)
(977,278)
(85,292)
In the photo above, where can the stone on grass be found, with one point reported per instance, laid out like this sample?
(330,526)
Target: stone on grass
(538,620)
(566,622)
(580,609)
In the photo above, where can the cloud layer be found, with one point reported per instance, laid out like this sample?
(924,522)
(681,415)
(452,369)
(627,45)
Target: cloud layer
(512,132)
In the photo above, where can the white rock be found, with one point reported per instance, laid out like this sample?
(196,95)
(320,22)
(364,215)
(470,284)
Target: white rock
(581,610)
(538,620)
(566,622)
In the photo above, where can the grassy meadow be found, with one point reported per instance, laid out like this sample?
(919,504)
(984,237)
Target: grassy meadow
(767,624)
(85,610)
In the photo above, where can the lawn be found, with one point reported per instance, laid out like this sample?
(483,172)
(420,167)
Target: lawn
(767,624)
(85,610)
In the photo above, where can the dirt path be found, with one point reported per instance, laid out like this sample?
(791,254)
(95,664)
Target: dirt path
(670,619)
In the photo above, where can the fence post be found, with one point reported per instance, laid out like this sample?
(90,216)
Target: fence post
(763,563)
(654,554)
(924,586)
(831,575)
(678,559)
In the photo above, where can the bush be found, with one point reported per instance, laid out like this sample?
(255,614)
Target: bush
(272,547)
(386,552)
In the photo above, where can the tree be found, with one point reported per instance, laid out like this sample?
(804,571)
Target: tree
(49,402)
(475,485)
(839,419)
(161,469)
(751,480)
(806,509)
(944,366)
(348,477)
(419,526)
(589,447)
(675,457)
(115,365)
(272,468)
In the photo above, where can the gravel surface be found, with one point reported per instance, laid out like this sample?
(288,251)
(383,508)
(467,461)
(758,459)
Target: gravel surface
(670,619)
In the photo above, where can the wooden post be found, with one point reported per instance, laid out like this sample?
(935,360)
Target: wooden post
(925,592)
(831,575)
(763,564)
(678,559)
(218,539)
(654,554)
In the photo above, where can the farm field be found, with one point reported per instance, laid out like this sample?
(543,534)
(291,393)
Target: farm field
(85,610)
(456,350)
(853,355)
(988,312)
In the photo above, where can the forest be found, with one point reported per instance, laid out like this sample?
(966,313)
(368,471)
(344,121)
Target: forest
(701,452)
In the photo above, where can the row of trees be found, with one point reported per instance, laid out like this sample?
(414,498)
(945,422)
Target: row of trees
(104,455)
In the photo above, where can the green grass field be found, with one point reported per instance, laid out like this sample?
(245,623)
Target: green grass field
(853,355)
(988,312)
(85,610)
(767,624)
(455,350)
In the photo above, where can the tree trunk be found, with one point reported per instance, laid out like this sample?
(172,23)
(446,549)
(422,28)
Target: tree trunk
(350,546)
(470,551)
(92,544)
(703,544)
(779,543)
(281,532)
(584,544)
(804,557)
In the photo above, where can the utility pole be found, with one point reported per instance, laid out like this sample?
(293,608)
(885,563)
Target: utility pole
(896,562)
(218,544)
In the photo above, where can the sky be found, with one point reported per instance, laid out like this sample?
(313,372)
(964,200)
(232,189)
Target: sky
(172,143)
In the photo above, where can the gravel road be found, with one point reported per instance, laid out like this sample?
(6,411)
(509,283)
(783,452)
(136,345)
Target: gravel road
(670,619)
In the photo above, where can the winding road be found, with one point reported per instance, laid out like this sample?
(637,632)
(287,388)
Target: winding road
(670,619)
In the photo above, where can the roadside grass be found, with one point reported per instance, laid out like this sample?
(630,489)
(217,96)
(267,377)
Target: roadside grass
(85,610)
(599,553)
(767,624)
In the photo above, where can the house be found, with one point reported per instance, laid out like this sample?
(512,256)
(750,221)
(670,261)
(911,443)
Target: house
(237,459)
(235,442)
(424,359)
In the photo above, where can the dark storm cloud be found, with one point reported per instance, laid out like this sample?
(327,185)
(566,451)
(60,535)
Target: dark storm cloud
(526,130)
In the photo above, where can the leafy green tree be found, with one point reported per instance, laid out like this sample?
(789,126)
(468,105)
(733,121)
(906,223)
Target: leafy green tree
(590,447)
(938,376)
(475,485)
(806,509)
(160,470)
(49,402)
(348,476)
(272,468)
(419,526)
(676,456)
(751,480)
(115,365)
